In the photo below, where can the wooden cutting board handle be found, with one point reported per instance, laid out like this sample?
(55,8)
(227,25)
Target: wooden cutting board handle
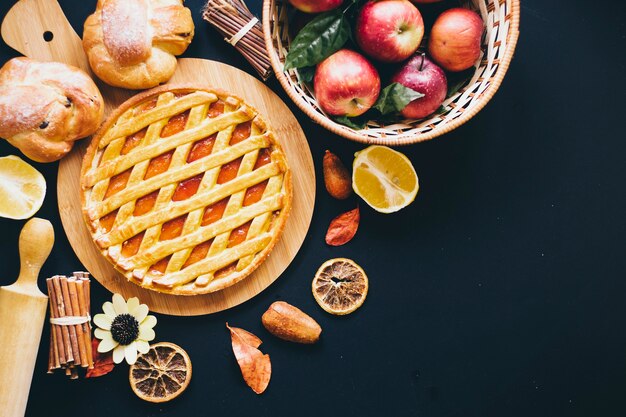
(22,314)
(49,36)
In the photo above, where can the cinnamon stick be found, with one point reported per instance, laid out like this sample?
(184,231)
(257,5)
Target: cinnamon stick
(86,330)
(51,356)
(78,328)
(55,329)
(87,290)
(65,332)
(69,312)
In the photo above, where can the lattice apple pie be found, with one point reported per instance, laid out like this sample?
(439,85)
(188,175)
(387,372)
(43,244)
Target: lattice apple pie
(185,190)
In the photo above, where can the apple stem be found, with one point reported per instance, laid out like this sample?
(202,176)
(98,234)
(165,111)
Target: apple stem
(422,63)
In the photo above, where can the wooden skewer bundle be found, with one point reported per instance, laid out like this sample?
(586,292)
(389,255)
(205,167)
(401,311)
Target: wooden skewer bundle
(242,29)
(70,332)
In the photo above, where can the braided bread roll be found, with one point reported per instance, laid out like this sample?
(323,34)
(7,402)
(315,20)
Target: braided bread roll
(133,43)
(46,106)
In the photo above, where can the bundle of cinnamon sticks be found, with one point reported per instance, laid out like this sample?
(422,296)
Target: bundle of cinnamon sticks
(242,29)
(70,332)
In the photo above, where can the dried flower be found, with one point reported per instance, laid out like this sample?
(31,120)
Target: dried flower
(125,328)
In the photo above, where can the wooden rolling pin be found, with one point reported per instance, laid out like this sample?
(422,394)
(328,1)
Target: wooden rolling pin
(22,314)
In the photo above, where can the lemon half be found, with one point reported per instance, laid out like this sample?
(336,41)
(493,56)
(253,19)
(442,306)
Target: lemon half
(384,178)
(22,188)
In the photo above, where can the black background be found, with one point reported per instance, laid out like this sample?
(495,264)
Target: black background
(500,291)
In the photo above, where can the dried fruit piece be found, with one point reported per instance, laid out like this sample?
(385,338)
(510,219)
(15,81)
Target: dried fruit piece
(102,362)
(336,177)
(256,367)
(161,374)
(340,286)
(290,323)
(343,228)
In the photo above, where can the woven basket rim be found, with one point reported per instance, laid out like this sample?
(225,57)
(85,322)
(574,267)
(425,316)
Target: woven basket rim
(338,129)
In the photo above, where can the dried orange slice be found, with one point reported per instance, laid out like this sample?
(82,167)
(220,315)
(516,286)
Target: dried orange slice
(340,286)
(161,374)
(22,188)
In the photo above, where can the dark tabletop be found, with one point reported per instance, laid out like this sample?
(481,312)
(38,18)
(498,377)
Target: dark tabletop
(499,292)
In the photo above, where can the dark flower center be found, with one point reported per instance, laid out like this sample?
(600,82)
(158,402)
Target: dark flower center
(124,329)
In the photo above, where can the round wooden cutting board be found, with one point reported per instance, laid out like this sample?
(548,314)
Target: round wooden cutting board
(46,15)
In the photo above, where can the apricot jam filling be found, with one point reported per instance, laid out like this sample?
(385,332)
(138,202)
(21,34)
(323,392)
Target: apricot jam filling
(159,267)
(131,246)
(198,253)
(173,228)
(145,203)
(175,125)
(187,188)
(159,164)
(239,234)
(149,105)
(215,109)
(133,140)
(214,212)
(107,221)
(227,270)
(202,148)
(241,132)
(117,183)
(229,171)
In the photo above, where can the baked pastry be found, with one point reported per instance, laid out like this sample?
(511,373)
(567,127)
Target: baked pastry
(46,106)
(133,43)
(185,190)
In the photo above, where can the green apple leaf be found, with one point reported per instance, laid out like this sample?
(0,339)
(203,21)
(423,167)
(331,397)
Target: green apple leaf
(395,97)
(458,80)
(306,74)
(356,123)
(319,39)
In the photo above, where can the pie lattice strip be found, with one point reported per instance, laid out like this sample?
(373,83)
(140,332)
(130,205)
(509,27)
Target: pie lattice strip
(216,262)
(204,129)
(261,223)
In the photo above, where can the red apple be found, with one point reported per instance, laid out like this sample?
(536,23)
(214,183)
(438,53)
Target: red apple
(424,76)
(389,30)
(455,39)
(346,84)
(315,6)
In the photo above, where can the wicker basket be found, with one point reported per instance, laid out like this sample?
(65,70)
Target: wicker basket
(501,18)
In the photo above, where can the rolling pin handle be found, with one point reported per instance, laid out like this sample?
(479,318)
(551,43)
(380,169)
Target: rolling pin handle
(36,240)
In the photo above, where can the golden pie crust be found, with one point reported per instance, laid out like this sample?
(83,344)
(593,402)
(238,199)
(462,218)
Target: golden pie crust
(185,190)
